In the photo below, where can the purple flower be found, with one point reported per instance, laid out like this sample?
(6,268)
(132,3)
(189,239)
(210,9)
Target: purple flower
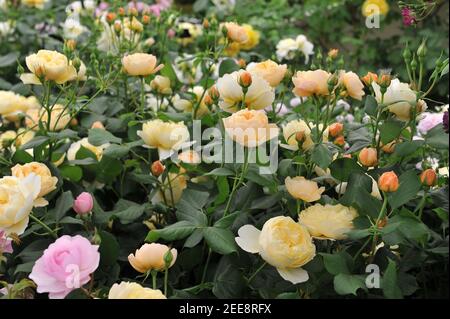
(408,17)
(429,121)
(5,243)
(445,121)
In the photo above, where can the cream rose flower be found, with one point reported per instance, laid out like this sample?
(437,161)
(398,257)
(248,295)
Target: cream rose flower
(308,83)
(17,198)
(203,108)
(400,99)
(250,128)
(75,147)
(59,118)
(293,127)
(140,64)
(161,84)
(12,105)
(132,290)
(48,182)
(151,257)
(171,192)
(352,84)
(235,32)
(282,243)
(51,65)
(328,221)
(269,71)
(259,95)
(301,188)
(167,137)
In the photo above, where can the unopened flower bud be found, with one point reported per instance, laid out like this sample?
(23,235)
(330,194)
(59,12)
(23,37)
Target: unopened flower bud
(98,124)
(300,136)
(117,26)
(385,80)
(388,182)
(422,50)
(369,78)
(213,92)
(336,129)
(136,26)
(133,12)
(145,19)
(83,204)
(333,53)
(242,63)
(245,79)
(71,44)
(208,100)
(368,157)
(205,23)
(428,177)
(168,258)
(157,168)
(74,122)
(389,148)
(382,223)
(407,54)
(121,11)
(340,140)
(110,17)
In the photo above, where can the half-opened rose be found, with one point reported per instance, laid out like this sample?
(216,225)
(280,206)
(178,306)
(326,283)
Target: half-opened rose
(48,182)
(259,95)
(352,84)
(293,127)
(140,64)
(301,188)
(282,243)
(250,128)
(269,71)
(17,198)
(308,83)
(50,65)
(151,257)
(328,221)
(132,290)
(66,265)
(167,137)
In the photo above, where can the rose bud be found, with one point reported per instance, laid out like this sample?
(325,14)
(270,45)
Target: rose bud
(213,92)
(205,23)
(300,136)
(157,168)
(71,44)
(335,129)
(245,79)
(145,19)
(98,124)
(121,11)
(242,63)
(369,78)
(428,177)
(110,17)
(83,204)
(368,157)
(333,53)
(208,100)
(388,182)
(340,140)
(389,148)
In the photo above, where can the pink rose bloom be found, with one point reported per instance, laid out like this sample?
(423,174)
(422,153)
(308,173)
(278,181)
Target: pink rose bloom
(5,243)
(83,204)
(171,33)
(429,121)
(66,265)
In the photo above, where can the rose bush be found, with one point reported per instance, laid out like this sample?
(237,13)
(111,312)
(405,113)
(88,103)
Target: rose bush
(149,153)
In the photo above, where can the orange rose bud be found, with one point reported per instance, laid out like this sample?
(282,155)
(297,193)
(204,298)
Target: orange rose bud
(369,78)
(98,124)
(389,148)
(157,168)
(347,156)
(335,129)
(333,53)
(368,157)
(208,100)
(121,11)
(242,63)
(117,26)
(133,12)
(388,182)
(340,140)
(428,177)
(245,79)
(300,136)
(213,92)
(71,44)
(74,122)
(110,17)
(205,23)
(382,223)
(385,80)
(145,19)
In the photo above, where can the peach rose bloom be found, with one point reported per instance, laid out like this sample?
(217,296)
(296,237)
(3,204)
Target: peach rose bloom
(301,188)
(48,182)
(352,84)
(235,32)
(140,64)
(250,128)
(151,257)
(269,71)
(308,83)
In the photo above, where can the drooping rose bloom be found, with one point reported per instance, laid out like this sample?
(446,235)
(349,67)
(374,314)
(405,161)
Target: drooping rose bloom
(66,265)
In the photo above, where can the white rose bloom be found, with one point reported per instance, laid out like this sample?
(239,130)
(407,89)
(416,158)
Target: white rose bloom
(72,28)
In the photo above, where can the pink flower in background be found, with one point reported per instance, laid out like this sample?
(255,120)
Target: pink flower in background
(139,6)
(83,204)
(171,33)
(429,121)
(65,266)
(408,17)
(102,7)
(5,243)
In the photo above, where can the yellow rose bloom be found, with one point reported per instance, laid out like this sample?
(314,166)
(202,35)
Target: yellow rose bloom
(252,38)
(328,221)
(12,105)
(293,127)
(75,147)
(269,71)
(301,188)
(282,243)
(375,7)
(140,64)
(39,4)
(48,182)
(132,290)
(59,118)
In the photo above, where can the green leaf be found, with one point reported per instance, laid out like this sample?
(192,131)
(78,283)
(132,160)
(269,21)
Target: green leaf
(224,190)
(321,156)
(9,59)
(189,208)
(358,195)
(408,189)
(345,284)
(220,240)
(109,248)
(99,136)
(371,106)
(228,66)
(108,169)
(35,142)
(337,263)
(72,173)
(63,204)
(130,214)
(176,231)
(227,221)
(390,130)
(407,148)
(221,171)
(228,280)
(116,151)
(22,157)
(437,138)
(342,168)
(194,238)
(389,284)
